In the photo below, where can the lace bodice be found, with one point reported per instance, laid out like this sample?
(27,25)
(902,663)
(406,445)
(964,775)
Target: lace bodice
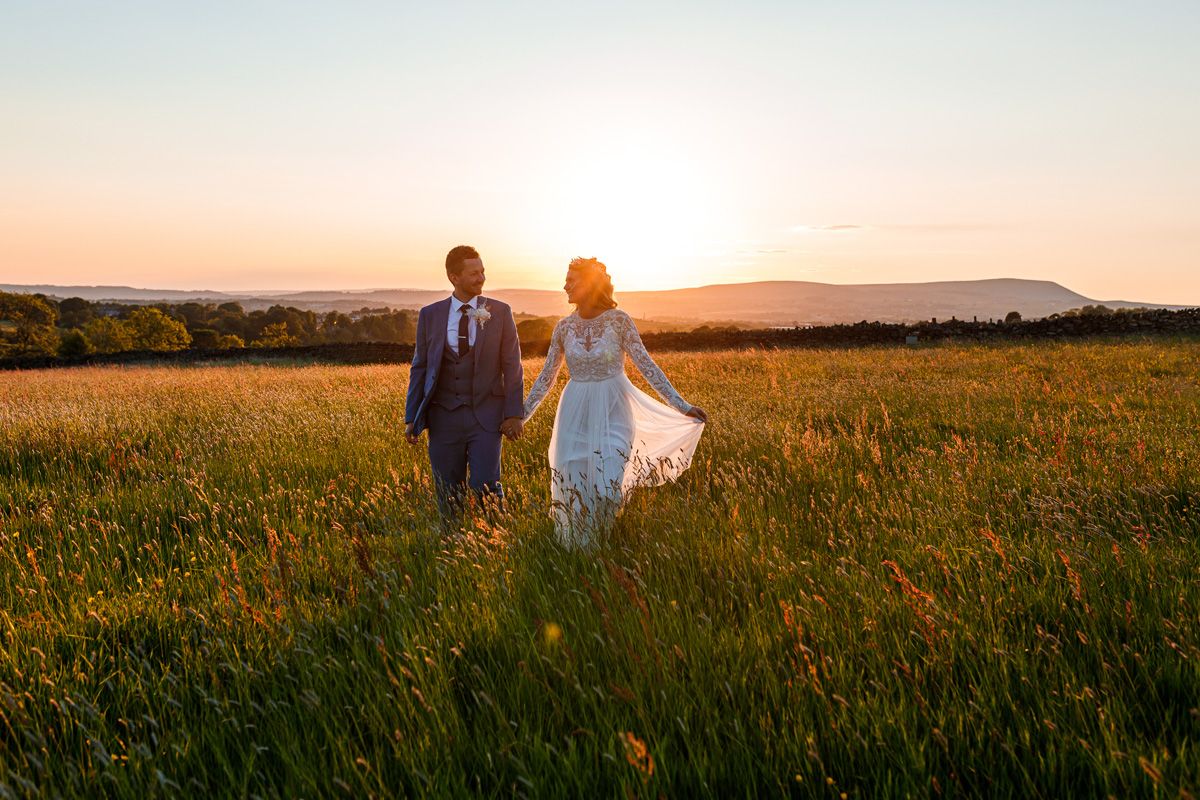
(595,350)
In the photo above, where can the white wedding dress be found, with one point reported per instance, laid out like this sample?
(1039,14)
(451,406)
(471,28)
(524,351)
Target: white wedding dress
(609,436)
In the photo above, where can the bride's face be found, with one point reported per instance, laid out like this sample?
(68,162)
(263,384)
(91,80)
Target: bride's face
(573,287)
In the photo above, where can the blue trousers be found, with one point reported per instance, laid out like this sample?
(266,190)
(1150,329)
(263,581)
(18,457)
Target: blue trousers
(462,454)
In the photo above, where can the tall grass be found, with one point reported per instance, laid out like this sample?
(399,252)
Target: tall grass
(919,572)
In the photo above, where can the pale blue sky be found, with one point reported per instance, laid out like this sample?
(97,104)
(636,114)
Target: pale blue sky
(305,145)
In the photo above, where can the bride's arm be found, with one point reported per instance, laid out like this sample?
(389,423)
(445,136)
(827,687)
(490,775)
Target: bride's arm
(545,379)
(631,341)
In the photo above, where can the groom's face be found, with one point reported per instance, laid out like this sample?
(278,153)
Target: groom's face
(469,280)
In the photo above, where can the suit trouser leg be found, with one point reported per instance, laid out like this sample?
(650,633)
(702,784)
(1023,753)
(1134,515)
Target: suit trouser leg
(448,435)
(483,458)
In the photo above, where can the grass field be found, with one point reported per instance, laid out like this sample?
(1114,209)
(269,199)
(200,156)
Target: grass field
(890,572)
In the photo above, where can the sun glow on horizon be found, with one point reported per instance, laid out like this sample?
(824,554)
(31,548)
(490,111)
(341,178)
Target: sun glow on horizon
(643,206)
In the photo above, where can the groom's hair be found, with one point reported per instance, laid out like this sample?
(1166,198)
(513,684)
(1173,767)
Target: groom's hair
(456,257)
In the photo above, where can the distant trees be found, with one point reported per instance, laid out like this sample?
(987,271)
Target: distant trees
(205,338)
(75,343)
(151,329)
(710,329)
(27,325)
(276,335)
(1086,311)
(108,335)
(538,329)
(389,326)
(337,327)
(300,325)
(37,325)
(75,312)
(1011,317)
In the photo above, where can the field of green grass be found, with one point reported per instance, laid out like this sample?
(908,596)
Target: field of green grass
(944,571)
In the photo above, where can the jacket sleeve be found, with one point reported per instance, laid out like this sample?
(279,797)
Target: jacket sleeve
(416,373)
(514,374)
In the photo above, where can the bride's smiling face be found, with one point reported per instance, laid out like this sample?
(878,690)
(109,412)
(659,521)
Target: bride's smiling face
(573,286)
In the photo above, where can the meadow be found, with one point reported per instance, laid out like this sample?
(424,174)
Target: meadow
(905,572)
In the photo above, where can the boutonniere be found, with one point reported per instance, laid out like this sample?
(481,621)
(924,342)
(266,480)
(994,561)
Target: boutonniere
(481,315)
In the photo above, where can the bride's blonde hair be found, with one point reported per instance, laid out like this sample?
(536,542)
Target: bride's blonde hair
(597,284)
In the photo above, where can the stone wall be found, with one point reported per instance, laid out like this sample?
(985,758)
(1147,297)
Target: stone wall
(1141,323)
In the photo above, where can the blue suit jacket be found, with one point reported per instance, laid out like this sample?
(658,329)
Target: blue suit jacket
(499,387)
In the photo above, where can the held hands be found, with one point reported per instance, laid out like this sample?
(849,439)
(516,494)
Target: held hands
(512,427)
(699,413)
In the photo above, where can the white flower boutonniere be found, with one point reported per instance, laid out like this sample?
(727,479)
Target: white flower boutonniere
(481,315)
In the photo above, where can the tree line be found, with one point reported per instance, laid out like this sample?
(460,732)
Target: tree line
(37,325)
(34,325)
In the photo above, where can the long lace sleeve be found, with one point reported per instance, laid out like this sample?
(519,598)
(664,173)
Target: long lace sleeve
(631,342)
(545,379)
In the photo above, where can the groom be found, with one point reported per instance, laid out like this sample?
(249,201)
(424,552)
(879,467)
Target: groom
(465,385)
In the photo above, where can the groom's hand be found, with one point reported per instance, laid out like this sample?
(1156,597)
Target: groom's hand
(512,427)
(409,433)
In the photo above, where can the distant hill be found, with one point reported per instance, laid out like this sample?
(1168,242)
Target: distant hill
(126,293)
(762,303)
(787,302)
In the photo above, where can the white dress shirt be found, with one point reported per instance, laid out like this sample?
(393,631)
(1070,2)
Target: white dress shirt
(452,322)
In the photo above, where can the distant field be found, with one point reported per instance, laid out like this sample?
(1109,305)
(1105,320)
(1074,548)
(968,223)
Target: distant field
(890,572)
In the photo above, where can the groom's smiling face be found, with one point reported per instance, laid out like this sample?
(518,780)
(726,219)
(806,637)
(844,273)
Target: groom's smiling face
(469,280)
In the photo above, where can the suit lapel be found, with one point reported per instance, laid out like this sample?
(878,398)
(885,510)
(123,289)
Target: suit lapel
(479,329)
(441,318)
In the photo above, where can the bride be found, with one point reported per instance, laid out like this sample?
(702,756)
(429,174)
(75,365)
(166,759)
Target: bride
(609,436)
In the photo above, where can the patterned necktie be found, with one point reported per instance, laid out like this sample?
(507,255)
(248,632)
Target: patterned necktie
(464,334)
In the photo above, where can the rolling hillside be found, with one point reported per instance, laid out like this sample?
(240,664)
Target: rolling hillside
(761,303)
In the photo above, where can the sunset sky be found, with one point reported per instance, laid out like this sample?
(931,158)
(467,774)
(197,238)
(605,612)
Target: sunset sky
(301,145)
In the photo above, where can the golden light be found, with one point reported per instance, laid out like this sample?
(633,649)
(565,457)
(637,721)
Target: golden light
(639,204)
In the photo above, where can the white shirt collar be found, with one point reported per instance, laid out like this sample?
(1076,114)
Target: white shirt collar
(456,304)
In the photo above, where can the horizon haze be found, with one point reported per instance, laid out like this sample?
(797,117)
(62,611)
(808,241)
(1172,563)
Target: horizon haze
(750,303)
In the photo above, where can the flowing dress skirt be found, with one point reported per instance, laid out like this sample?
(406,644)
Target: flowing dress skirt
(610,437)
